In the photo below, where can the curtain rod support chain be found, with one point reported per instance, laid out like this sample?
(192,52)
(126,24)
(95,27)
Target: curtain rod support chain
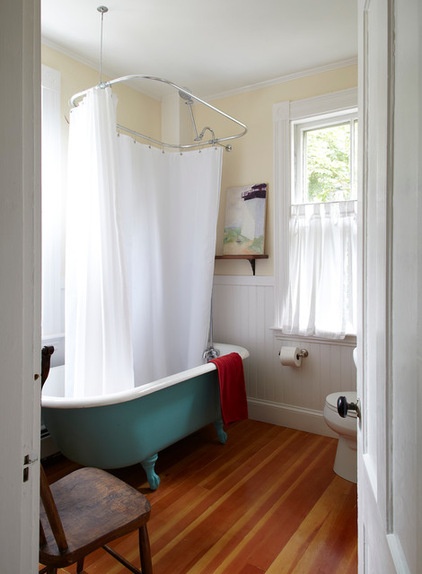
(102,10)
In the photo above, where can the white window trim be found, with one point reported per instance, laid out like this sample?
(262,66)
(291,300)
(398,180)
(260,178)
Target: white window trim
(283,114)
(51,85)
(50,78)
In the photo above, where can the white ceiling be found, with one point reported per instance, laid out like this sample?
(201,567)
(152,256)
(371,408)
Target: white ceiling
(210,47)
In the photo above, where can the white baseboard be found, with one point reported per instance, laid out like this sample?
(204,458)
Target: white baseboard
(289,416)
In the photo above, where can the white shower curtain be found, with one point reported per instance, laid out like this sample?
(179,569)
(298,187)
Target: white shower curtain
(98,338)
(169,215)
(153,252)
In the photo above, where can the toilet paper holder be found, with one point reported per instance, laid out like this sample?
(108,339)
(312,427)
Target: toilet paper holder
(302,353)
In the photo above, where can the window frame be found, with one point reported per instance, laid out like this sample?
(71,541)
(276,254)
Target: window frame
(284,115)
(53,238)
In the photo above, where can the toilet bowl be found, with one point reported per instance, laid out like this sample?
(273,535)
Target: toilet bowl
(345,464)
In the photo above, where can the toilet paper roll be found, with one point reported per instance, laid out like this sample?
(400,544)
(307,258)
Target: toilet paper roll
(290,357)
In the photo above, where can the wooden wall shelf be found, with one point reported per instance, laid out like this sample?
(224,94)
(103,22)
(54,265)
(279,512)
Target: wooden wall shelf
(250,258)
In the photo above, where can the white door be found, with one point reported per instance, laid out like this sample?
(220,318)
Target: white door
(19,284)
(390,333)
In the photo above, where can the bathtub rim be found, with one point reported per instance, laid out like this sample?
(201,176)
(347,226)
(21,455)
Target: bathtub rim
(60,402)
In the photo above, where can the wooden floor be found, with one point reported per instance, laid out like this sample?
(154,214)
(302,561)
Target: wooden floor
(267,501)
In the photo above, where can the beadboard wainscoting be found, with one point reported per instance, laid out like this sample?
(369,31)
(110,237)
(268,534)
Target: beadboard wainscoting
(243,313)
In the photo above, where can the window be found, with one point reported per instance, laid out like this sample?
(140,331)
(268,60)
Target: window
(52,229)
(315,143)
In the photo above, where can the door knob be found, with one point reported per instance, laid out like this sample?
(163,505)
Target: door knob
(343,407)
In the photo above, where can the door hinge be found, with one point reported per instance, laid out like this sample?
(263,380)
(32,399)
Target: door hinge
(27,461)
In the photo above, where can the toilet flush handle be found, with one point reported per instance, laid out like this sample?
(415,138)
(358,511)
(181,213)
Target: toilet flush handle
(343,407)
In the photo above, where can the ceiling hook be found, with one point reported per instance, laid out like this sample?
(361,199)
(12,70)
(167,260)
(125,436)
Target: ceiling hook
(102,10)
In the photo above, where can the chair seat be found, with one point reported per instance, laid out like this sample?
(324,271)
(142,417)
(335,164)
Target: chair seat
(95,508)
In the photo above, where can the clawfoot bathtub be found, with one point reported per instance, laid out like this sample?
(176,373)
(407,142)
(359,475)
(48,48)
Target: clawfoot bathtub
(129,427)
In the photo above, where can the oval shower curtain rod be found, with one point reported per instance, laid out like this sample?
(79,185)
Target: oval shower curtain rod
(184,94)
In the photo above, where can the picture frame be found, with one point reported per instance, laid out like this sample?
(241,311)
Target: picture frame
(245,217)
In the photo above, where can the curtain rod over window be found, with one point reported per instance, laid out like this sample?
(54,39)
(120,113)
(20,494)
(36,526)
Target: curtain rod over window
(189,98)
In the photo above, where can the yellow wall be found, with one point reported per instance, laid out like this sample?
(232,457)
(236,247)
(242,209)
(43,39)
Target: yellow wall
(134,110)
(251,160)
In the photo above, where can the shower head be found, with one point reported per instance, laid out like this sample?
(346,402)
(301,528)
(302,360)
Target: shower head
(198,136)
(185,96)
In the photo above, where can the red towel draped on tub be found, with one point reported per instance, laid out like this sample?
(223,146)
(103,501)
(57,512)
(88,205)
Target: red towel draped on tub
(232,387)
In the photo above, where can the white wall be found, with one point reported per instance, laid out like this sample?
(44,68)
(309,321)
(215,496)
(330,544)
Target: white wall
(243,313)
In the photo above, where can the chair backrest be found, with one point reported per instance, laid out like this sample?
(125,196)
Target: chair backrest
(45,491)
(52,515)
(46,353)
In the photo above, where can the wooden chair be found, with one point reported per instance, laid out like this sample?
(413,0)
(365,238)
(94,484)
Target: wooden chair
(86,510)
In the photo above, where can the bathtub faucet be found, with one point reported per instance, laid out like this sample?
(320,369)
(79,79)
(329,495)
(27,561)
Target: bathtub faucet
(210,353)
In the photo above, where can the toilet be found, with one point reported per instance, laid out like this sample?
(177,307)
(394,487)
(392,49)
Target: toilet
(345,463)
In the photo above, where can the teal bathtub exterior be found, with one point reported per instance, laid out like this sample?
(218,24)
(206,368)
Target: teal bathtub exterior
(132,427)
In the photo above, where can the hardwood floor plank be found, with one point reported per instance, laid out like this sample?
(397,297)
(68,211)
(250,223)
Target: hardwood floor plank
(251,489)
(208,497)
(317,545)
(267,501)
(272,528)
(265,497)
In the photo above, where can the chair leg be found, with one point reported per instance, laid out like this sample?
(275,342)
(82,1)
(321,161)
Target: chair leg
(80,566)
(145,551)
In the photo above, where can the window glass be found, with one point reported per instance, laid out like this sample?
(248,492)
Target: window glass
(325,161)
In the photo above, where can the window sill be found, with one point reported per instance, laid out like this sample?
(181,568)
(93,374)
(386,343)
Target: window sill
(348,341)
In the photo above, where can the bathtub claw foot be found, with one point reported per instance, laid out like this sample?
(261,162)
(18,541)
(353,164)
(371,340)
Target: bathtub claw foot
(221,433)
(149,466)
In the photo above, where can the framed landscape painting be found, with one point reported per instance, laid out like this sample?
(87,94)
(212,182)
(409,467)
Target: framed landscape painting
(244,224)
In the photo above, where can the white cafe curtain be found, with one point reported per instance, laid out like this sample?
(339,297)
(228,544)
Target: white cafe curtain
(321,294)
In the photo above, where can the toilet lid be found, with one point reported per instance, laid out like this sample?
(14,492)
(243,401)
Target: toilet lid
(331,400)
